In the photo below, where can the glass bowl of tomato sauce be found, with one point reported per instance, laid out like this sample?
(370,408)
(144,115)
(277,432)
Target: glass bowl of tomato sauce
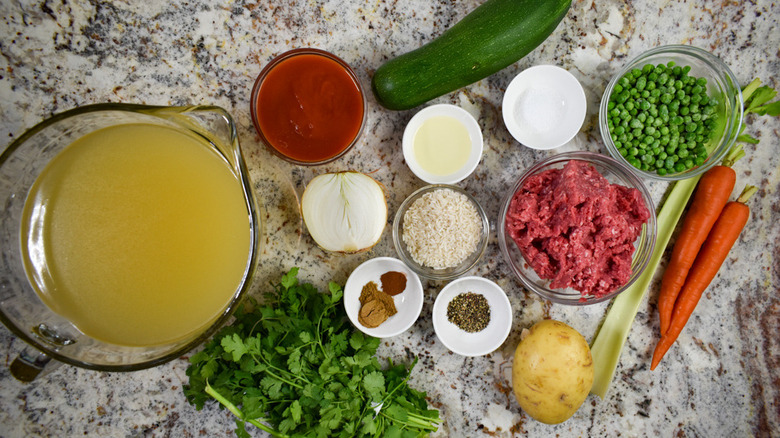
(308,106)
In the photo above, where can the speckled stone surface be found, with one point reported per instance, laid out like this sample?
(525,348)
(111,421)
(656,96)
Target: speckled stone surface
(720,379)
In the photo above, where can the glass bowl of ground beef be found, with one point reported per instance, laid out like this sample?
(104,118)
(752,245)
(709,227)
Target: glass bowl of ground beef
(577,228)
(440,231)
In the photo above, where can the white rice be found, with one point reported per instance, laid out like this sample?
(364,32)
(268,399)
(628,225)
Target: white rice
(441,229)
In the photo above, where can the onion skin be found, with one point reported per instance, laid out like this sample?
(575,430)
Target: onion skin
(345,212)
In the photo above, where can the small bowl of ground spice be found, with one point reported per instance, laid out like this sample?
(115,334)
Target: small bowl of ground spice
(472,316)
(440,231)
(383,297)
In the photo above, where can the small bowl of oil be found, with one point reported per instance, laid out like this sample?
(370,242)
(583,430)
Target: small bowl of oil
(442,144)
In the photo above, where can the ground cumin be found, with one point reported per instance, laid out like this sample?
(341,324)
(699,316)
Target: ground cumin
(375,306)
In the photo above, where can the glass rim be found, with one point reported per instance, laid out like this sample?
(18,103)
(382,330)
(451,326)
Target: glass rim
(255,226)
(646,239)
(448,273)
(725,78)
(273,63)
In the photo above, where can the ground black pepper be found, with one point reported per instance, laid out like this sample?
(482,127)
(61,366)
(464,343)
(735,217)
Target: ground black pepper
(469,311)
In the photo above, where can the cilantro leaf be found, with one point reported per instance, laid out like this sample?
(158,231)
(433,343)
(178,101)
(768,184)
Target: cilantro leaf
(374,384)
(290,279)
(235,345)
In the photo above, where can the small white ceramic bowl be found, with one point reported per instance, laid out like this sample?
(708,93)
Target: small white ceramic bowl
(483,342)
(544,107)
(408,303)
(474,134)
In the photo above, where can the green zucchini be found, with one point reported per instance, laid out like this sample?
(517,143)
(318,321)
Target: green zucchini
(491,37)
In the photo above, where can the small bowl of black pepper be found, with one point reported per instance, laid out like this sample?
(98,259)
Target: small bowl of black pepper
(472,316)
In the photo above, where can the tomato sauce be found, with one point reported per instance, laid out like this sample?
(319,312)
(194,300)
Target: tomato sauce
(309,108)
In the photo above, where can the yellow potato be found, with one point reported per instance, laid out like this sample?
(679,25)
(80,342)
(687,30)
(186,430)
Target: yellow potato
(552,372)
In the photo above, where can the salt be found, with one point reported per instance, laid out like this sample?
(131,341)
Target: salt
(540,111)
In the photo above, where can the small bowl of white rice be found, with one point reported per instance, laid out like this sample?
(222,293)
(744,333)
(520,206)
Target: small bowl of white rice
(440,231)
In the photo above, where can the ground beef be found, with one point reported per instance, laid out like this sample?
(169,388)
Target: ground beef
(576,229)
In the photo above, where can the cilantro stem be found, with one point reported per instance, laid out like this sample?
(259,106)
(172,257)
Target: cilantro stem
(406,379)
(415,421)
(237,412)
(271,366)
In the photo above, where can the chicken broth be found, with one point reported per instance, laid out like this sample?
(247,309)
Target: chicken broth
(138,234)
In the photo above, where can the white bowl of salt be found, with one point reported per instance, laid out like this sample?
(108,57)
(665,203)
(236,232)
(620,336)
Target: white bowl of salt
(544,107)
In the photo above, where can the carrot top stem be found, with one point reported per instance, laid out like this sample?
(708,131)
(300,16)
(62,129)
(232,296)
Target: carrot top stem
(733,155)
(747,192)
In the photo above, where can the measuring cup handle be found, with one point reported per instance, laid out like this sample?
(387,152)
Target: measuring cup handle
(29,364)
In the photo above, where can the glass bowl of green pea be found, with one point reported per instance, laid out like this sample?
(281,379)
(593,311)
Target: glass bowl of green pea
(672,113)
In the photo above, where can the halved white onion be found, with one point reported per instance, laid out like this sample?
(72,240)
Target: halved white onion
(344,211)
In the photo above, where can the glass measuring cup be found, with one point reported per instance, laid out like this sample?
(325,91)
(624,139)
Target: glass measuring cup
(22,311)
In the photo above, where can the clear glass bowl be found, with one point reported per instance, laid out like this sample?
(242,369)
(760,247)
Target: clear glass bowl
(615,172)
(425,271)
(721,84)
(256,107)
(21,309)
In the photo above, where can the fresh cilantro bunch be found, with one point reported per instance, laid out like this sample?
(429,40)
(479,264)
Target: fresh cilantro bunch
(295,367)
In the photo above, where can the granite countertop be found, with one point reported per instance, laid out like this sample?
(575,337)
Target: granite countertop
(720,378)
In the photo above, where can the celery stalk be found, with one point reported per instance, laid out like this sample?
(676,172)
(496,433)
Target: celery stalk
(612,336)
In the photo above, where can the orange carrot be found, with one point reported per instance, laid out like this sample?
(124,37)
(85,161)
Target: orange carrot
(711,195)
(709,260)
